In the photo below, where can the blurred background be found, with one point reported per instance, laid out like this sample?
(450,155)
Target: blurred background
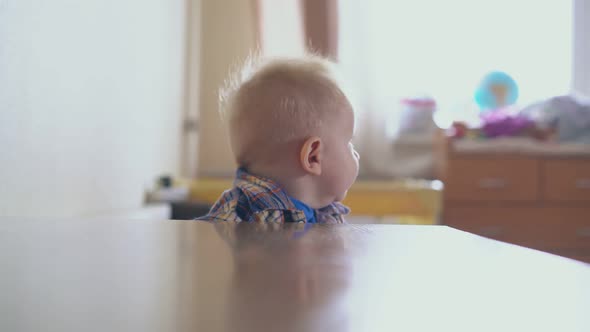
(466,110)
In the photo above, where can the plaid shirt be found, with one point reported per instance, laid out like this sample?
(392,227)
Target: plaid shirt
(256,199)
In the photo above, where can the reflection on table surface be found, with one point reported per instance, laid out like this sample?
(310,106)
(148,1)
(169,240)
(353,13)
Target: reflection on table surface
(116,275)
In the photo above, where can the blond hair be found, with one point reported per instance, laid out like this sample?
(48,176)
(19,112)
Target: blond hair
(278,100)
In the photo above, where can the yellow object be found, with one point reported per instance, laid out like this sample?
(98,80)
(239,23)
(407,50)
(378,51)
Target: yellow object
(209,190)
(400,202)
(386,198)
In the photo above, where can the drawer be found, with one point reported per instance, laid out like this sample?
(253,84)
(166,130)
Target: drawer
(512,225)
(492,179)
(566,180)
(566,229)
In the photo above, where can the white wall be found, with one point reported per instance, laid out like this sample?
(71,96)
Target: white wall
(91,94)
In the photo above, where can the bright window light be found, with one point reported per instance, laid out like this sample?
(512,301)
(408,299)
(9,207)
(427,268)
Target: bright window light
(443,48)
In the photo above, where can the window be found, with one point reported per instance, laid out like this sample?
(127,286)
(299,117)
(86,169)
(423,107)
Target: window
(443,48)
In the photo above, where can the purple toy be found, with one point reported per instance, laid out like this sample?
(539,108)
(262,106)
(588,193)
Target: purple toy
(500,123)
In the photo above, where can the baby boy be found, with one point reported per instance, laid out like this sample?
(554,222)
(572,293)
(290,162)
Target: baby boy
(290,127)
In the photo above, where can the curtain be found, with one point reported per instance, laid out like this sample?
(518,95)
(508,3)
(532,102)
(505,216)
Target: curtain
(320,26)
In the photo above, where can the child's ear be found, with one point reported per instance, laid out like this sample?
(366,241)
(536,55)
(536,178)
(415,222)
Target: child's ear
(311,155)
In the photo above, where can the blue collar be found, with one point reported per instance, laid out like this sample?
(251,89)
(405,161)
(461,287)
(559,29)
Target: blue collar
(308,211)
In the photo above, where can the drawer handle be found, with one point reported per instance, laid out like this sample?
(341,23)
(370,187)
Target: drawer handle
(493,183)
(583,232)
(583,183)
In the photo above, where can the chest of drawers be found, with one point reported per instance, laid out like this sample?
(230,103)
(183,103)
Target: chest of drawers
(535,200)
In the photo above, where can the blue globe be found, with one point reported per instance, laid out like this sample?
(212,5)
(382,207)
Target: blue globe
(484,96)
